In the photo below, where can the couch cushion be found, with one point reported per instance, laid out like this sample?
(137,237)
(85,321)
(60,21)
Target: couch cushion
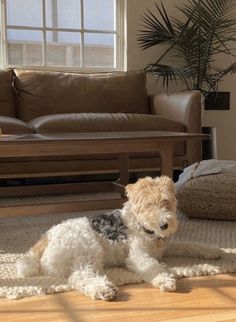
(105,122)
(11,125)
(44,93)
(209,197)
(6,93)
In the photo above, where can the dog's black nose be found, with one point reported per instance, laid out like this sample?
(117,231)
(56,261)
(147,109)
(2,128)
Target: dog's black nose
(164,226)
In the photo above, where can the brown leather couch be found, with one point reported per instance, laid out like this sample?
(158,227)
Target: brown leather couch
(51,102)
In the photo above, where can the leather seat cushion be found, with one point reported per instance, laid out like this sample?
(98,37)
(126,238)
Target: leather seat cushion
(46,93)
(11,125)
(7,104)
(105,122)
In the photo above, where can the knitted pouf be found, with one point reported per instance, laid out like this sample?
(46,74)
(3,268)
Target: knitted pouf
(210,196)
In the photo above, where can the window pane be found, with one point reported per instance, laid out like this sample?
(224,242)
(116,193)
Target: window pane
(99,14)
(24,47)
(99,50)
(24,13)
(63,13)
(27,30)
(63,48)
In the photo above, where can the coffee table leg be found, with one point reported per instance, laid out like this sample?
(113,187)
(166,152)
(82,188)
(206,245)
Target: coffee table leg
(166,155)
(123,160)
(124,168)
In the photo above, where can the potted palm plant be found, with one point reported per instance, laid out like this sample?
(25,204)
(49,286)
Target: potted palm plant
(192,45)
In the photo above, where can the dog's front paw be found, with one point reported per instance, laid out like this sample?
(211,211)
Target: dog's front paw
(165,282)
(107,292)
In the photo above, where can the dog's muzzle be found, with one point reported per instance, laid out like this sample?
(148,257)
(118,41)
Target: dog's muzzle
(153,234)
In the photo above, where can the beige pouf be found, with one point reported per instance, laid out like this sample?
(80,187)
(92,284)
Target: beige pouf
(210,196)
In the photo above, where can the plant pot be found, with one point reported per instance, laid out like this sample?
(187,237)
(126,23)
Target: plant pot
(217,101)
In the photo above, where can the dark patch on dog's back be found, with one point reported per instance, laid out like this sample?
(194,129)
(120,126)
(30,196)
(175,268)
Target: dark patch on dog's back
(110,226)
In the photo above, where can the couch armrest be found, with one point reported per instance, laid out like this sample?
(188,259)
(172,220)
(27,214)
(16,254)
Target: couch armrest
(183,107)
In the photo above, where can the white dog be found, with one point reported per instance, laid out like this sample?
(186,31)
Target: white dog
(135,236)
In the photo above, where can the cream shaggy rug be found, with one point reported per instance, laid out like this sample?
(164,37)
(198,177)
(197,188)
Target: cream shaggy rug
(18,234)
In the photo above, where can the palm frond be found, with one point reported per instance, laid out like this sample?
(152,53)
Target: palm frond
(221,73)
(205,31)
(156,31)
(168,73)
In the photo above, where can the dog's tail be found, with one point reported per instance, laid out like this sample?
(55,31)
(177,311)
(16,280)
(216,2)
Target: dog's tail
(29,264)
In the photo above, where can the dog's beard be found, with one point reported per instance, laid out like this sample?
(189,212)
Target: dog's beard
(150,233)
(139,221)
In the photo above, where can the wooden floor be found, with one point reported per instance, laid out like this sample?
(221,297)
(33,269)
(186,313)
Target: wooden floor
(205,299)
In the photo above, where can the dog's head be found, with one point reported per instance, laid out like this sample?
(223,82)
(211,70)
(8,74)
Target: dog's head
(153,205)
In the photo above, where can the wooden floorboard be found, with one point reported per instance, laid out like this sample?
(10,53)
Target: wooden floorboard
(204,299)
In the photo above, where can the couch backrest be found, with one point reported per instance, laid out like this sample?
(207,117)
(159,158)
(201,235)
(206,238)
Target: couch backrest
(44,93)
(7,104)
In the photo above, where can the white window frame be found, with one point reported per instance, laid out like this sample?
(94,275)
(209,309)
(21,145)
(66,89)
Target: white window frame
(120,52)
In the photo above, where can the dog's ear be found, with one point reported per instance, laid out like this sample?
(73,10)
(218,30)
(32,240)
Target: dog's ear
(167,181)
(129,189)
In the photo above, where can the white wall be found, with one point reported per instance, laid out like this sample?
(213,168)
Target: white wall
(224,121)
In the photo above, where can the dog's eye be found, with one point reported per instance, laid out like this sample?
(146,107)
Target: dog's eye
(165,203)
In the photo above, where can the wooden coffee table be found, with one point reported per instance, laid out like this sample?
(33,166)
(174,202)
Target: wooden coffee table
(120,143)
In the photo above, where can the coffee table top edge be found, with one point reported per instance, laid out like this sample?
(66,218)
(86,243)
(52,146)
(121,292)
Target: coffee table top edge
(103,135)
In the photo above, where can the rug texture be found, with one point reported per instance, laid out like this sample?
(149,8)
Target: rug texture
(18,234)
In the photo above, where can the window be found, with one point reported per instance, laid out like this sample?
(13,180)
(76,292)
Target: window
(68,34)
